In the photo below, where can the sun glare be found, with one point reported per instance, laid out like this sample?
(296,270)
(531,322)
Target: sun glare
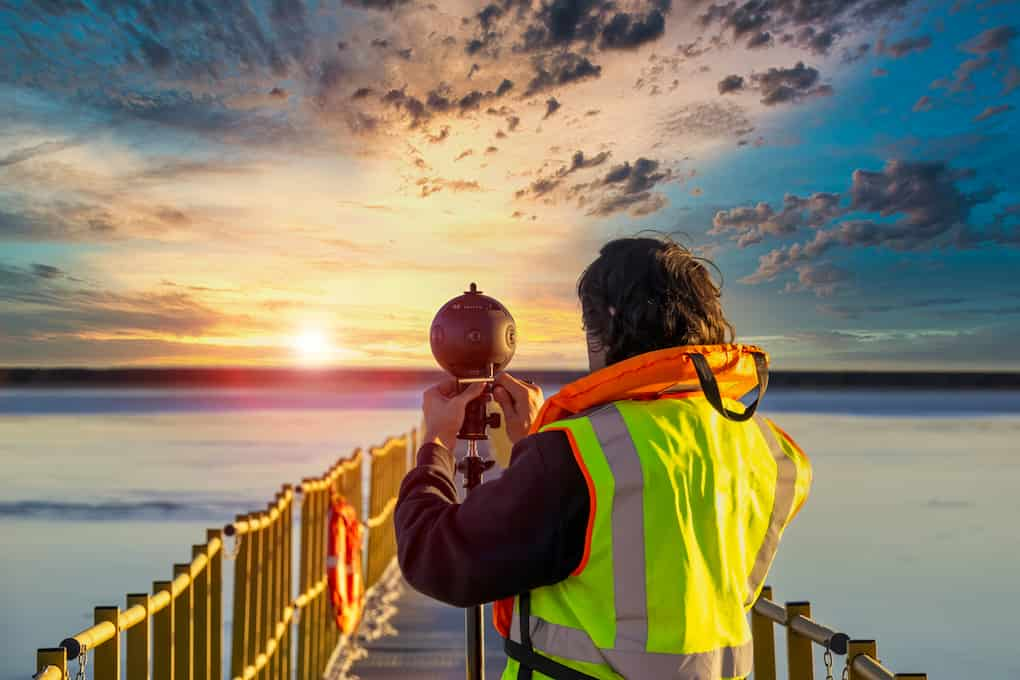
(312,347)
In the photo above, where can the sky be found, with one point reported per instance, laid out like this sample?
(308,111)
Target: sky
(191,182)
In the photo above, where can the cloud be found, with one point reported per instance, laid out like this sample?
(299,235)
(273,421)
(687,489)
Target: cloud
(706,120)
(923,104)
(731,83)
(750,225)
(551,107)
(905,46)
(920,205)
(430,185)
(559,70)
(815,26)
(823,279)
(993,111)
(991,48)
(41,149)
(627,31)
(567,22)
(783,85)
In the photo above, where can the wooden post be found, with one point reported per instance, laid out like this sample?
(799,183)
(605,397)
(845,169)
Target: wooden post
(856,648)
(303,575)
(764,636)
(215,606)
(163,635)
(138,640)
(799,658)
(239,624)
(183,638)
(272,595)
(107,655)
(200,619)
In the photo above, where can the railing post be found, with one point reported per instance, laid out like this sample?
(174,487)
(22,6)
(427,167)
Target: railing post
(272,585)
(215,606)
(183,638)
(163,635)
(138,640)
(303,576)
(262,594)
(799,656)
(200,618)
(286,589)
(51,656)
(856,648)
(764,636)
(314,606)
(107,655)
(253,632)
(239,627)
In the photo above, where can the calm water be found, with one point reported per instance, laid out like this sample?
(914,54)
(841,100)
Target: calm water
(910,535)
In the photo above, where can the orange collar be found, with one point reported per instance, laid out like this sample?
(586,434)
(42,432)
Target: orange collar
(649,375)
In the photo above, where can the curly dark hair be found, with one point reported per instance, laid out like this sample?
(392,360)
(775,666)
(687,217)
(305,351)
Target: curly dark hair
(647,293)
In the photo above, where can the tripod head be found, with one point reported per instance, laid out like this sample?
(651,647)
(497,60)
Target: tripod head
(473,337)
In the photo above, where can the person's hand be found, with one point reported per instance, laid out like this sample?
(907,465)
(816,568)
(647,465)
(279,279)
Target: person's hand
(520,402)
(443,411)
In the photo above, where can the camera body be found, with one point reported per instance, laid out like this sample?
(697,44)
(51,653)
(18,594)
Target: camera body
(473,336)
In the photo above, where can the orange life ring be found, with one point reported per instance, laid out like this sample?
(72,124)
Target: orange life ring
(343,565)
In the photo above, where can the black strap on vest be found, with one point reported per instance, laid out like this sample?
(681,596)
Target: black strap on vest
(525,655)
(711,389)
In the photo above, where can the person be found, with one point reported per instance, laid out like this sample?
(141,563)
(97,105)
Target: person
(643,504)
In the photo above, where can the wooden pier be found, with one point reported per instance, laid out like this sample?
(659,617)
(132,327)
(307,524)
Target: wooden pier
(428,644)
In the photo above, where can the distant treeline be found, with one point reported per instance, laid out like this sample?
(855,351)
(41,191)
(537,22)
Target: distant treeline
(353,378)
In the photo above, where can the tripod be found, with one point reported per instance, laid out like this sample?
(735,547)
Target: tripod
(472,466)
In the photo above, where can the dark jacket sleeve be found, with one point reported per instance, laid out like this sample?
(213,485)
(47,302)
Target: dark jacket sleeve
(519,531)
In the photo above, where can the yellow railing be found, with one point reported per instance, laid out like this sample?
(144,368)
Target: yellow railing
(176,633)
(802,633)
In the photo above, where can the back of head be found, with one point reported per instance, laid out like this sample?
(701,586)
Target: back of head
(644,294)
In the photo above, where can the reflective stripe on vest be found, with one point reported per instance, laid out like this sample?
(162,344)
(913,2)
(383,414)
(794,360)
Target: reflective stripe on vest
(629,656)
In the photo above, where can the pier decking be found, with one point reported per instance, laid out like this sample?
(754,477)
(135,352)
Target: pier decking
(429,643)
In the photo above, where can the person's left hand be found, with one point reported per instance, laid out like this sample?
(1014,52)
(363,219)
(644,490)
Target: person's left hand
(443,411)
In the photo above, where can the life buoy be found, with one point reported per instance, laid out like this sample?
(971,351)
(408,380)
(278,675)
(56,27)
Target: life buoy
(343,565)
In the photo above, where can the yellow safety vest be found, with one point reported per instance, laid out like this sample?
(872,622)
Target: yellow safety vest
(689,496)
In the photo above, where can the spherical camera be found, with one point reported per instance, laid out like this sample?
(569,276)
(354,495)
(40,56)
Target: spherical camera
(473,335)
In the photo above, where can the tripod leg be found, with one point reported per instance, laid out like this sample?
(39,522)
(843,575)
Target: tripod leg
(475,643)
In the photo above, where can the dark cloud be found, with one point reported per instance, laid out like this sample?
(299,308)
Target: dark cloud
(540,187)
(924,197)
(380,43)
(813,25)
(560,69)
(551,107)
(627,31)
(278,93)
(923,104)
(993,111)
(904,47)
(992,40)
(731,83)
(759,40)
(491,150)
(380,5)
(362,92)
(784,85)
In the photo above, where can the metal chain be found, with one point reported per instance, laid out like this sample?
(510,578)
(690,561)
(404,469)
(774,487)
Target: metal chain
(827,657)
(231,553)
(846,666)
(83,660)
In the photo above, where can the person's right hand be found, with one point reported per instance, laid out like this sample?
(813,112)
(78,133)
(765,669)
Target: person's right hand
(520,402)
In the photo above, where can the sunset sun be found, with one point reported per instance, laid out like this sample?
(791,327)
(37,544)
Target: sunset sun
(312,346)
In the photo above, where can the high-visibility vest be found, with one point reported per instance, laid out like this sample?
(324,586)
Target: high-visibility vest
(688,501)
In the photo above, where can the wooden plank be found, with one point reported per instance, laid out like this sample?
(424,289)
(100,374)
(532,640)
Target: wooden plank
(429,643)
